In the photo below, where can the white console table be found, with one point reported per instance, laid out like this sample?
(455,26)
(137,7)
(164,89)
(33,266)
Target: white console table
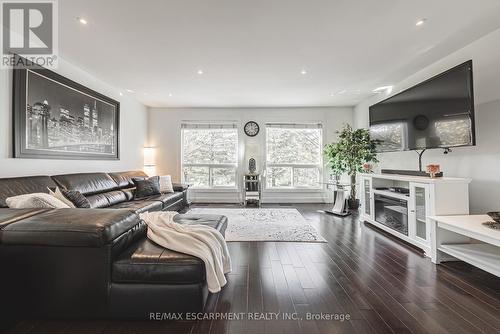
(465,238)
(408,218)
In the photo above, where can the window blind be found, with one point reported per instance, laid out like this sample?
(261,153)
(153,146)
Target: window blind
(295,125)
(206,125)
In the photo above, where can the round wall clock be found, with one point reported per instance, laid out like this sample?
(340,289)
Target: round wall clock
(251,129)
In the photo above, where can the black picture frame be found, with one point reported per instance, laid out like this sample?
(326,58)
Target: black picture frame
(104,144)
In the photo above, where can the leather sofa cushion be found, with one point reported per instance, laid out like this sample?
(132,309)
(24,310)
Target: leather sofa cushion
(129,193)
(107,199)
(124,179)
(139,206)
(115,197)
(128,238)
(98,201)
(9,216)
(70,227)
(23,185)
(180,186)
(147,262)
(167,199)
(86,183)
(216,221)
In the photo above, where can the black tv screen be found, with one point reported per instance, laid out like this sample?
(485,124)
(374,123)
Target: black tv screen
(437,113)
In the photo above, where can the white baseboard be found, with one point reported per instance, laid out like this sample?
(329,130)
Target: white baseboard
(214,200)
(285,199)
(234,197)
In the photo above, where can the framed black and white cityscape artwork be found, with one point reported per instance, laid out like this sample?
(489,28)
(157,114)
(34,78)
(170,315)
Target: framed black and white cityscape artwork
(57,118)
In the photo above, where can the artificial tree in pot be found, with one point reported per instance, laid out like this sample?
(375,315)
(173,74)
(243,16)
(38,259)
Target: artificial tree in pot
(348,154)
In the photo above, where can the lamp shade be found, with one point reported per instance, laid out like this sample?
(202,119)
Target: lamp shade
(149,156)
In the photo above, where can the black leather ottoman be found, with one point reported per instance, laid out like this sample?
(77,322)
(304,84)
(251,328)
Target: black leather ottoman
(148,278)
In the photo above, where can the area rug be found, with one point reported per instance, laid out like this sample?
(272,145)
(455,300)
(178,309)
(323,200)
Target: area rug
(265,225)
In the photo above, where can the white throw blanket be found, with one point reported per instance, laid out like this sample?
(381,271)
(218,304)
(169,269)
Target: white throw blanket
(201,241)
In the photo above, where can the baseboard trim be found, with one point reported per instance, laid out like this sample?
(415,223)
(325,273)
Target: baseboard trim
(295,198)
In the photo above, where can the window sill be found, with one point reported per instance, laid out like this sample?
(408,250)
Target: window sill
(215,190)
(294,190)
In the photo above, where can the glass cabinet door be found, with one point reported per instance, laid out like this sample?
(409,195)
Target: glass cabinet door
(421,209)
(367,185)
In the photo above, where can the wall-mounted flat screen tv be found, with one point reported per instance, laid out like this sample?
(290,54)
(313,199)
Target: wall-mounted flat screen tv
(437,113)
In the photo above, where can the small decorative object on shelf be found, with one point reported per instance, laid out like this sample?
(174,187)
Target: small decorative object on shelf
(367,168)
(492,225)
(433,170)
(252,167)
(495,215)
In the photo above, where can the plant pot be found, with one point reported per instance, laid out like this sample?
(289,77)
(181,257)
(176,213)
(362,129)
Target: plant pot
(353,204)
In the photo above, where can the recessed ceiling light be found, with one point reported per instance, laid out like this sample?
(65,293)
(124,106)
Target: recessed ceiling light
(420,22)
(130,90)
(303,72)
(170,94)
(200,72)
(82,20)
(383,89)
(121,94)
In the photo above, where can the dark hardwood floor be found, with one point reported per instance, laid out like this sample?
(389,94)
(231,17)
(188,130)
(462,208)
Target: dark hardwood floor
(384,286)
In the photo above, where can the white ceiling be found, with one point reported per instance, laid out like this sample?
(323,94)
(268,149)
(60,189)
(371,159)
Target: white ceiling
(252,51)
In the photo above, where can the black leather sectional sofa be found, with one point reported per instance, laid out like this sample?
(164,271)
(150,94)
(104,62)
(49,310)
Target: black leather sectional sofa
(97,262)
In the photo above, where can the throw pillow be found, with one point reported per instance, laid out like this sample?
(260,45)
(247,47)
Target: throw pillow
(166,184)
(129,193)
(56,192)
(76,198)
(35,201)
(145,187)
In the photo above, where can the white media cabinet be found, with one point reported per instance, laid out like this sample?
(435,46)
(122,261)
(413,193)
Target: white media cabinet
(407,216)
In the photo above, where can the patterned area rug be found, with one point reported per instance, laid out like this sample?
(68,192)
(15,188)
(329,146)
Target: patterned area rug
(265,225)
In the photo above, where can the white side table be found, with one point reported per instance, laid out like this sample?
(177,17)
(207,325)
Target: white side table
(466,238)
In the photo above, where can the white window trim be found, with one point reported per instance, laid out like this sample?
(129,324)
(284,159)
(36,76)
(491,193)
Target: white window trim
(210,166)
(320,165)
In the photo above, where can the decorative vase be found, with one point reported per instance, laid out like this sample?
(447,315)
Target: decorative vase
(353,204)
(252,167)
(367,168)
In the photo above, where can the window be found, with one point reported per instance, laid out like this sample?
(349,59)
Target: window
(209,155)
(293,156)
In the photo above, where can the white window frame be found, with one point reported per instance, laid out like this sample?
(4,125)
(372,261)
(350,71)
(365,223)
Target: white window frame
(293,166)
(211,166)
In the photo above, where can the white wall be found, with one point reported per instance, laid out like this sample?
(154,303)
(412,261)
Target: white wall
(165,135)
(480,162)
(133,131)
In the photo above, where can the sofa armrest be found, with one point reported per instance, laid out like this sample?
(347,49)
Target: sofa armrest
(180,186)
(70,228)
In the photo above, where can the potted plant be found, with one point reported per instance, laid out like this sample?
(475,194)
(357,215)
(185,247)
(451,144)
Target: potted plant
(353,149)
